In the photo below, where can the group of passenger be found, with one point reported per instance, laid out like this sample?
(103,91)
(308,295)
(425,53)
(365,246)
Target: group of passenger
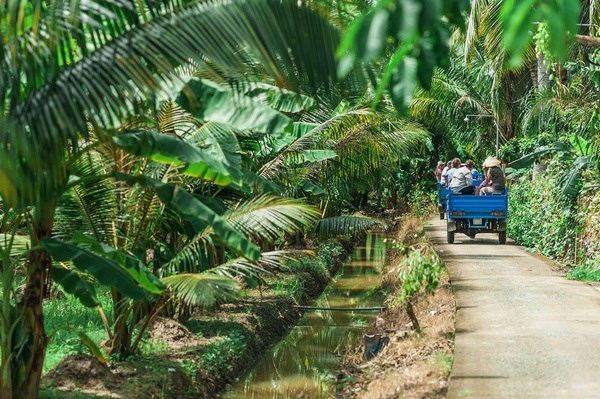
(459,177)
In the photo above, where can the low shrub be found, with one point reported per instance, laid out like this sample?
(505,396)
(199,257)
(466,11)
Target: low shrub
(560,227)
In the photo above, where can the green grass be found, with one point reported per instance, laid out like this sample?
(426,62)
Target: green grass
(288,286)
(62,316)
(443,360)
(589,273)
(219,356)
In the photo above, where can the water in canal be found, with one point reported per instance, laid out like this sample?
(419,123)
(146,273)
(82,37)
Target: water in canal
(303,364)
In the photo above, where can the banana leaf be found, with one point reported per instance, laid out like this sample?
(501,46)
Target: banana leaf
(107,271)
(210,102)
(209,164)
(72,282)
(529,159)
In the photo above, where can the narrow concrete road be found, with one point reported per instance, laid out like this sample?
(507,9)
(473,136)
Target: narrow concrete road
(522,330)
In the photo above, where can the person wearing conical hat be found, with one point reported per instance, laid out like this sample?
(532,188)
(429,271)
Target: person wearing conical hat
(495,181)
(491,162)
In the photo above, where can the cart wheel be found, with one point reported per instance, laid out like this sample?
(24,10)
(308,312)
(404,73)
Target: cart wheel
(441,215)
(450,237)
(502,237)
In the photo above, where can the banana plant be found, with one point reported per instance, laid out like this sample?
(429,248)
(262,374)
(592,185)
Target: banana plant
(580,151)
(67,64)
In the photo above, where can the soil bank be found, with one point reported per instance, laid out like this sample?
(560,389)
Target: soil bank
(199,359)
(412,365)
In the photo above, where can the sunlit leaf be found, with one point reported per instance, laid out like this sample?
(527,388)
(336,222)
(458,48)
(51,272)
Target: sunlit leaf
(211,102)
(198,162)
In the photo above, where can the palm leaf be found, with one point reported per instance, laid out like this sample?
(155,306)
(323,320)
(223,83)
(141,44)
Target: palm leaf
(262,218)
(344,226)
(196,213)
(303,138)
(269,217)
(202,289)
(269,262)
(196,255)
(121,56)
(218,284)
(91,203)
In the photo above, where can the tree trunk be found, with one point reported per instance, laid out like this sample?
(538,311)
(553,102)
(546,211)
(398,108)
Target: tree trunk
(27,375)
(412,316)
(394,194)
(543,77)
(121,342)
(31,309)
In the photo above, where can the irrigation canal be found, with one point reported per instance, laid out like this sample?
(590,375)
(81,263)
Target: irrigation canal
(304,363)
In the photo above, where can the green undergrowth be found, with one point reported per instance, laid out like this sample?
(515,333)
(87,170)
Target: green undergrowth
(64,318)
(230,337)
(589,272)
(560,227)
(318,267)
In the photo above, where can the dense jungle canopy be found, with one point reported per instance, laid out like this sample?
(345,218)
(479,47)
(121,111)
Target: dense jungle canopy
(169,150)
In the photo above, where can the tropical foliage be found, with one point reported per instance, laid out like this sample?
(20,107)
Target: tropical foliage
(541,98)
(172,151)
(170,164)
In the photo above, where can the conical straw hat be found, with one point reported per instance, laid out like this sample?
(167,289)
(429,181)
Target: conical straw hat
(490,162)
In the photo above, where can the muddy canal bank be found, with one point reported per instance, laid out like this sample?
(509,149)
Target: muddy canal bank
(412,365)
(208,353)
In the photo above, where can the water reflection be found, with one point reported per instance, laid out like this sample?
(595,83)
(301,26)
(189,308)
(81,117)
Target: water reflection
(301,365)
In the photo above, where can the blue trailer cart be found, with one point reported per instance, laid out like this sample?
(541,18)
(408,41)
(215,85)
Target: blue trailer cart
(473,214)
(442,198)
(443,192)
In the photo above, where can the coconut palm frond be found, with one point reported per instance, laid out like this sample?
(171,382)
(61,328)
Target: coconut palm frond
(91,204)
(172,119)
(472,34)
(271,169)
(197,255)
(269,217)
(202,289)
(371,142)
(16,245)
(344,226)
(99,69)
(269,262)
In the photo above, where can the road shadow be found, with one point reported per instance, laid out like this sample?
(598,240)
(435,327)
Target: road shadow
(479,377)
(482,257)
(479,241)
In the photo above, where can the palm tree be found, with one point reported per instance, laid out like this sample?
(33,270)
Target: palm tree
(66,65)
(456,91)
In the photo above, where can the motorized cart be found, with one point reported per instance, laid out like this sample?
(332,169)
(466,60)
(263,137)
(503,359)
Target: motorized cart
(474,214)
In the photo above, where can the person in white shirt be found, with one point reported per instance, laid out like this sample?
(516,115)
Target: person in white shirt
(455,165)
(445,171)
(462,180)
